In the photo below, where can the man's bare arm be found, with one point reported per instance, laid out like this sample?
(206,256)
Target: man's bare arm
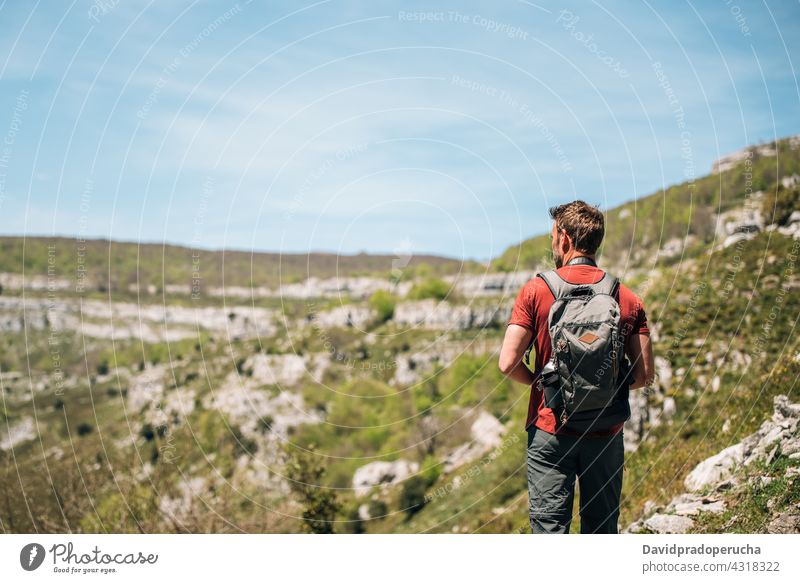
(640,353)
(515,343)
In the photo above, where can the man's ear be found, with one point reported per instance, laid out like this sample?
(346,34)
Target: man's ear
(566,242)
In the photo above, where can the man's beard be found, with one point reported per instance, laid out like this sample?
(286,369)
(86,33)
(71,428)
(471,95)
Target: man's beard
(558,260)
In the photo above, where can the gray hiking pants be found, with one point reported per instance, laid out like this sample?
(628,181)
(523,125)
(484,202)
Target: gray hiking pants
(554,461)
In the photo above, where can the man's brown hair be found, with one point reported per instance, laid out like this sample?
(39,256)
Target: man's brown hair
(583,223)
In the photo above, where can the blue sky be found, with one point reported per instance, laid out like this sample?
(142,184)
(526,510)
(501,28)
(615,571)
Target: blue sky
(446,127)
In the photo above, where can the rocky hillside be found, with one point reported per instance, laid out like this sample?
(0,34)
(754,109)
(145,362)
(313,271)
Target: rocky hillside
(750,486)
(684,220)
(372,402)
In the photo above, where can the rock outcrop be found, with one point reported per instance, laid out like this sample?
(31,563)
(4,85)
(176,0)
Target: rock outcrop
(435,315)
(260,414)
(784,523)
(668,524)
(413,367)
(17,433)
(486,432)
(490,284)
(382,474)
(284,369)
(719,473)
(124,320)
(146,388)
(346,316)
(355,287)
(779,432)
(715,469)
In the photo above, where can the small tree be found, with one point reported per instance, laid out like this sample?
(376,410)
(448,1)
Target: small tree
(305,472)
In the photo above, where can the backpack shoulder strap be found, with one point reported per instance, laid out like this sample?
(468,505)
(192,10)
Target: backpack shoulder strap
(608,284)
(556,284)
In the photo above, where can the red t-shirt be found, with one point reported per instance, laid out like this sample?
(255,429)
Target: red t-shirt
(531,310)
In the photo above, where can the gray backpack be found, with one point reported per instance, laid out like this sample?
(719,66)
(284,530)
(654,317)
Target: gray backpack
(585,382)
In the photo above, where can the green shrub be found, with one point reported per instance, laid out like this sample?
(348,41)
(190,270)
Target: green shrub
(383,303)
(378,509)
(432,288)
(412,496)
(431,470)
(777,205)
(149,432)
(426,394)
(84,429)
(265,423)
(120,512)
(458,380)
(102,367)
(352,523)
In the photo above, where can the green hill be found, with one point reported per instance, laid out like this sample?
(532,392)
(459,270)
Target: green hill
(113,265)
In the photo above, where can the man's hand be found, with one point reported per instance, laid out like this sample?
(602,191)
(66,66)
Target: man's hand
(640,353)
(515,343)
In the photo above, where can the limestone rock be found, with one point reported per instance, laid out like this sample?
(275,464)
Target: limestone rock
(634,429)
(411,369)
(785,523)
(128,320)
(282,369)
(714,469)
(663,372)
(382,474)
(780,431)
(346,316)
(668,408)
(190,493)
(146,388)
(442,352)
(20,432)
(487,434)
(259,413)
(435,315)
(363,512)
(487,430)
(488,284)
(668,524)
(692,505)
(336,287)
